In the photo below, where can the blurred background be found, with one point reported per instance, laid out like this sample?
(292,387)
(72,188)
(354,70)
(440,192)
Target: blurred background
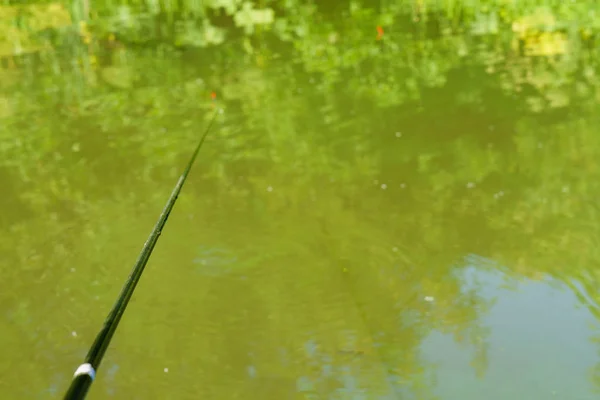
(398,199)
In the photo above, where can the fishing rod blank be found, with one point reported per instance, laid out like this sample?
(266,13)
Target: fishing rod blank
(86,372)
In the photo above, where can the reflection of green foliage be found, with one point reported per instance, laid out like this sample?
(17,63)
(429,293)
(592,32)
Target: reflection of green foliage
(18,25)
(290,174)
(422,56)
(247,17)
(200,36)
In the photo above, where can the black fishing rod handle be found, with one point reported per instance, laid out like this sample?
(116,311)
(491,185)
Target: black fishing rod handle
(84,376)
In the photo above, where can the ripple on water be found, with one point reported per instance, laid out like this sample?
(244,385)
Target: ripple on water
(215,261)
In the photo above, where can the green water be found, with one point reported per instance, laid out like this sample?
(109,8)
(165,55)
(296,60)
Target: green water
(407,213)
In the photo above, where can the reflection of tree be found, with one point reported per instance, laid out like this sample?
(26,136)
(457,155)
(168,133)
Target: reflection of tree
(346,52)
(283,322)
(461,176)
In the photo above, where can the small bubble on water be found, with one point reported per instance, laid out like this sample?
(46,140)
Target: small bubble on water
(166,370)
(72,269)
(470,185)
(429,299)
(221,111)
(269,189)
(565,189)
(540,145)
(402,186)
(383,186)
(76,147)
(394,249)
(398,134)
(74,334)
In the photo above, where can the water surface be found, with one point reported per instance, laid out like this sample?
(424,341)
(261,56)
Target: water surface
(394,203)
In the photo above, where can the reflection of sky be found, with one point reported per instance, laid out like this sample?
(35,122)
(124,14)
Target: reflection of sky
(539,345)
(539,349)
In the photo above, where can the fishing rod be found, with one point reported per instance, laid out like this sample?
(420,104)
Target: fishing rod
(86,372)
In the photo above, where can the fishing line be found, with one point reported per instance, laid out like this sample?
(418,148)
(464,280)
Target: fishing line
(363,316)
(86,372)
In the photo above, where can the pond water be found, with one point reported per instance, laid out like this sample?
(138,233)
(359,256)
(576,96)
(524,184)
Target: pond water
(396,204)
